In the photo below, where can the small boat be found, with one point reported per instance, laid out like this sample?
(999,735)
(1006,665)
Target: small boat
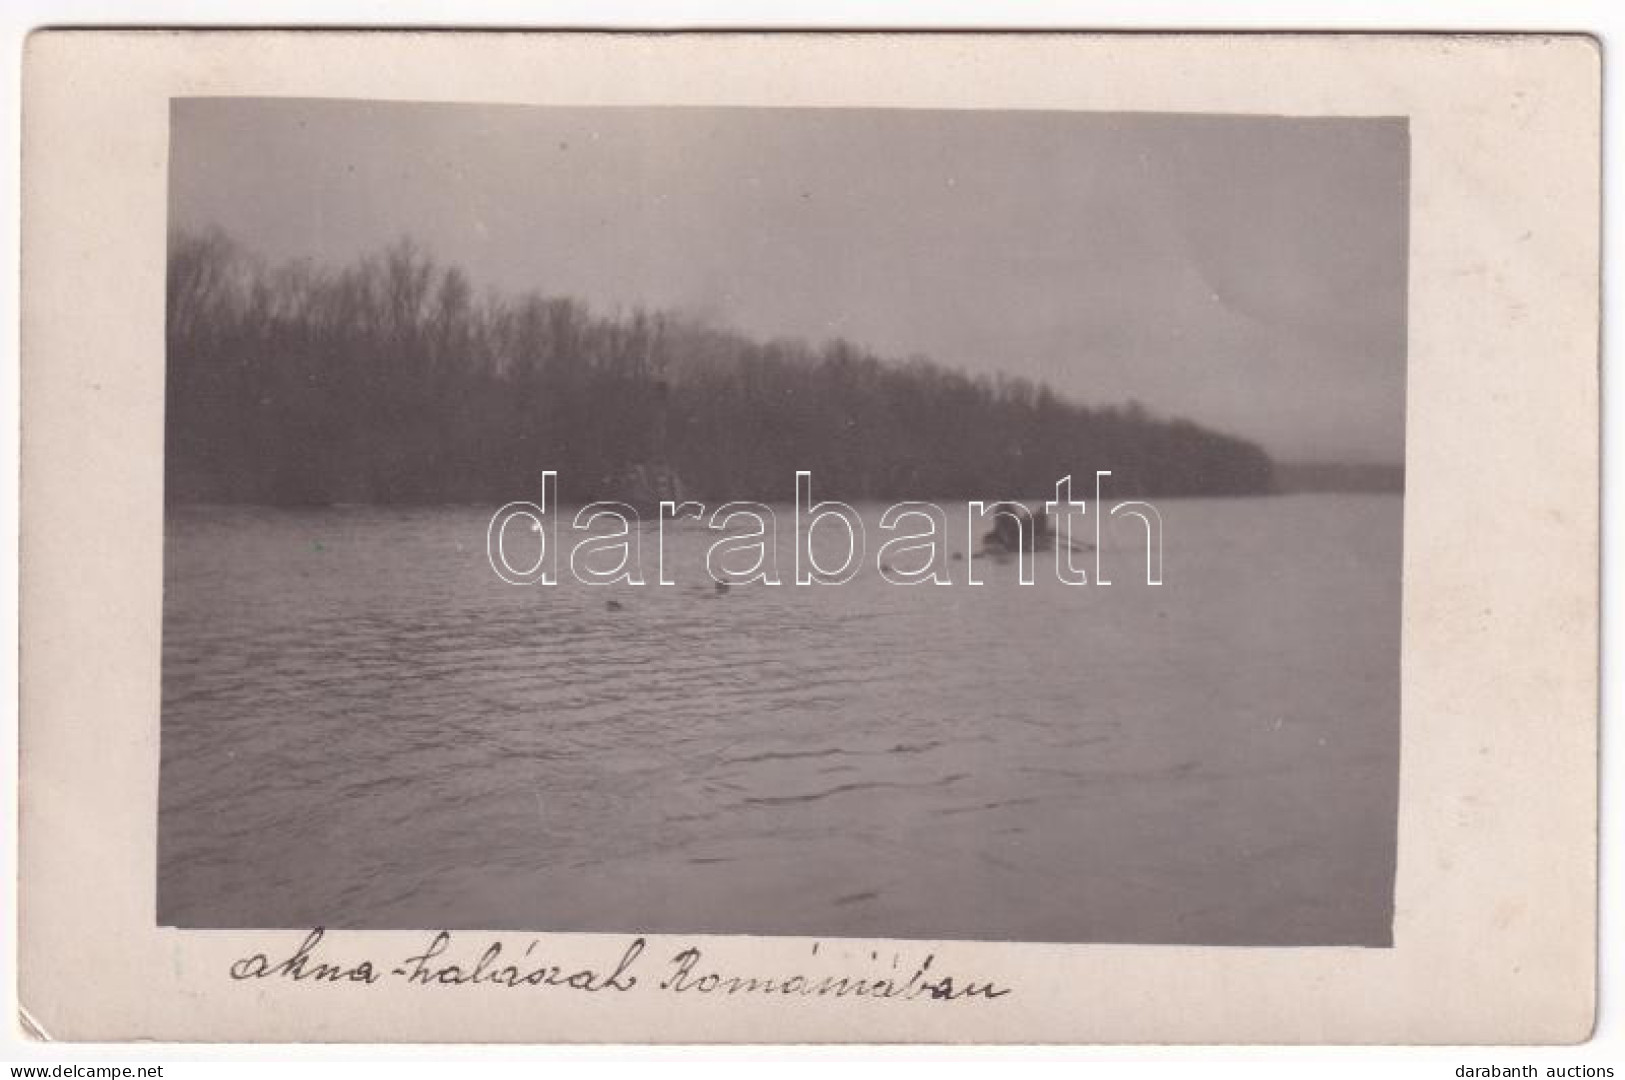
(1017,527)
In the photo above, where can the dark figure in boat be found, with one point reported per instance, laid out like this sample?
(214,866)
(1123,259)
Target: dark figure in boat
(643,487)
(1016,527)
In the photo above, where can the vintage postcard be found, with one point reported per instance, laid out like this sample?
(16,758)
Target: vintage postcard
(793,537)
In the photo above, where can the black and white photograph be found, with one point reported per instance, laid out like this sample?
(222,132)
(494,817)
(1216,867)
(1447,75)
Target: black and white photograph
(897,545)
(829,522)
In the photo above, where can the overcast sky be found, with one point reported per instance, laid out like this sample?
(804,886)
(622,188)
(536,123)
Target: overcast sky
(1246,272)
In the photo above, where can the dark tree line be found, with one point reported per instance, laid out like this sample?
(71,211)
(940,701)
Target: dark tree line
(390,381)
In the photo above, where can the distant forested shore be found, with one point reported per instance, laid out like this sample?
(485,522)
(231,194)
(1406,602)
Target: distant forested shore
(1343,477)
(392,381)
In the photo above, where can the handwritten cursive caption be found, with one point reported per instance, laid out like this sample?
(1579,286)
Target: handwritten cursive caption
(684,972)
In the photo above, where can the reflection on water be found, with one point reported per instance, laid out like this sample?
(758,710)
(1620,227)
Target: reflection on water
(363,727)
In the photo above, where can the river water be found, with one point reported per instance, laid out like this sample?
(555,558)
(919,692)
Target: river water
(364,727)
